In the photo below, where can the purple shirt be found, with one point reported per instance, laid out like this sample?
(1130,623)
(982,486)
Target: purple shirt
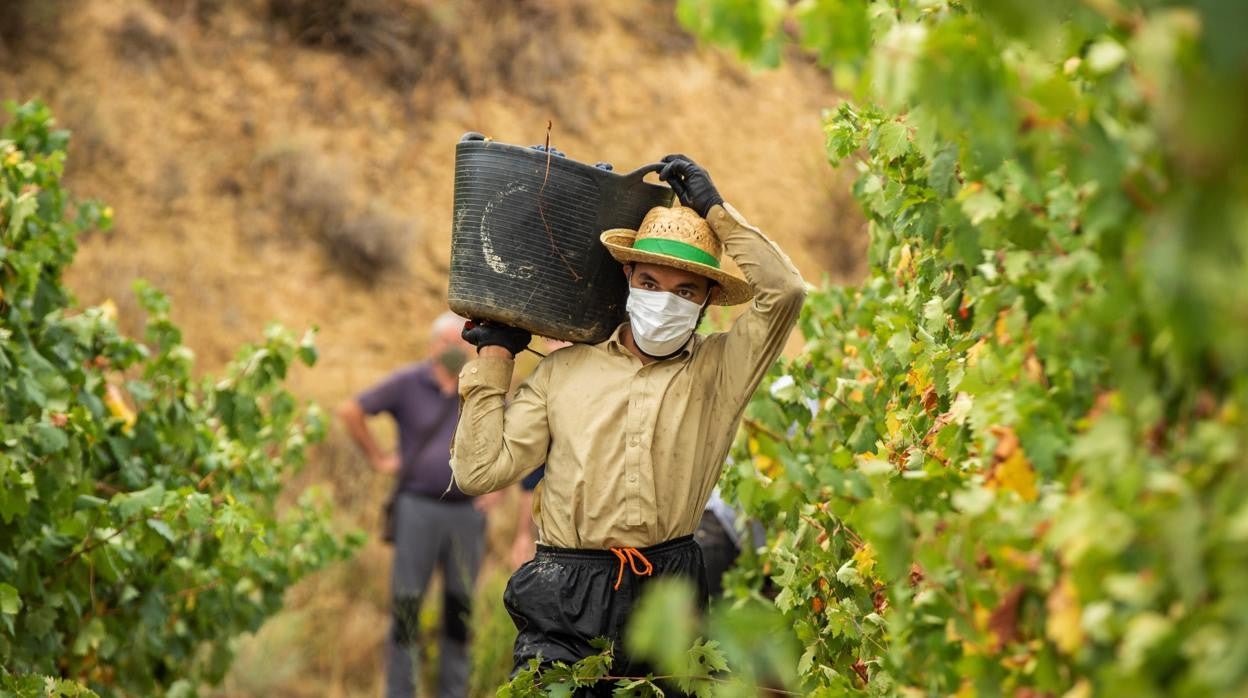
(426,420)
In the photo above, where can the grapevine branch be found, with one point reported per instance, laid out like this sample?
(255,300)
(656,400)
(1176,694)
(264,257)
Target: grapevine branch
(755,425)
(759,690)
(197,589)
(97,543)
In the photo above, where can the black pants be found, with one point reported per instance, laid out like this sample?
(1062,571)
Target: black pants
(563,598)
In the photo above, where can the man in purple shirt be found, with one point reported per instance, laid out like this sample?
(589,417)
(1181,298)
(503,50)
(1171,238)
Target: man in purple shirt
(434,523)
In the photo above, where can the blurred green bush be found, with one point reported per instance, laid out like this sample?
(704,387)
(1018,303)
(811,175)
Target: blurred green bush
(1011,461)
(138,523)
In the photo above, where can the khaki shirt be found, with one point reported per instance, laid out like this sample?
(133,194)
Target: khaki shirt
(632,452)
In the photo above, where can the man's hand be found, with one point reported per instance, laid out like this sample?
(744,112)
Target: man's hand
(693,186)
(484,333)
(387,464)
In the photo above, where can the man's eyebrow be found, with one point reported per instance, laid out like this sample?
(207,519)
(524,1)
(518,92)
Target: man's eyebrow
(690,285)
(645,276)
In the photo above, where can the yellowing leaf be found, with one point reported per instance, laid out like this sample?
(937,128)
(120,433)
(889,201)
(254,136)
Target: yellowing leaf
(109,309)
(1001,328)
(892,424)
(768,466)
(905,264)
(1015,474)
(1062,625)
(980,615)
(919,380)
(116,404)
(1229,414)
(856,395)
(1033,368)
(864,558)
(1011,469)
(972,354)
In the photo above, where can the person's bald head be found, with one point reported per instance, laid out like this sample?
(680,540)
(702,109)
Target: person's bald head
(444,333)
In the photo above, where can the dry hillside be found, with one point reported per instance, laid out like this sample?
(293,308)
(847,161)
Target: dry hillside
(291,160)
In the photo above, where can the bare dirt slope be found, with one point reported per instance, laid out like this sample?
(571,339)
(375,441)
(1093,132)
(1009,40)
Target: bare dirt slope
(292,160)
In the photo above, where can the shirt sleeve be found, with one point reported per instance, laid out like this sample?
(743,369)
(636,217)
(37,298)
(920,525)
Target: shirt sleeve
(759,334)
(383,397)
(495,443)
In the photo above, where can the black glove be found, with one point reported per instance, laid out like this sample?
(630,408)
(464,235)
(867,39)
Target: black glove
(691,183)
(484,333)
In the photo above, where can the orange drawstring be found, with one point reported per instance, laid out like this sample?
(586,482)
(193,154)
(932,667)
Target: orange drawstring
(631,556)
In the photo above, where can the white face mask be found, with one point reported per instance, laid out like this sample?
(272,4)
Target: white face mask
(661,322)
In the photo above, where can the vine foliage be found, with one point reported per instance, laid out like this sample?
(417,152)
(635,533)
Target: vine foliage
(139,527)
(1012,460)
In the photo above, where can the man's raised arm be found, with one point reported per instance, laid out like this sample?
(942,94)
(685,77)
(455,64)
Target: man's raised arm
(759,335)
(497,444)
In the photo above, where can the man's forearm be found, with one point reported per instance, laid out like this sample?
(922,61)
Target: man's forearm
(495,445)
(777,284)
(758,335)
(352,417)
(478,442)
(494,351)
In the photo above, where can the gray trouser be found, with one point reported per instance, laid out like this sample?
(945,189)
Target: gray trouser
(430,533)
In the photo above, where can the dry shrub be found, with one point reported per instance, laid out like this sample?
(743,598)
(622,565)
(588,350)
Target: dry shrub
(656,24)
(98,132)
(365,242)
(143,37)
(524,48)
(202,11)
(398,36)
(28,26)
(373,242)
(837,240)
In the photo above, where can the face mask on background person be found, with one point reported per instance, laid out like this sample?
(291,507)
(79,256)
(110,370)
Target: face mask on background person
(661,322)
(453,359)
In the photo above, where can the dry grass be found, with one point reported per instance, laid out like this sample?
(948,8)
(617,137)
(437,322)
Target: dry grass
(375,242)
(400,38)
(837,238)
(143,37)
(28,26)
(364,241)
(201,11)
(525,49)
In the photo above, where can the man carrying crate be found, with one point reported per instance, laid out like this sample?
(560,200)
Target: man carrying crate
(634,430)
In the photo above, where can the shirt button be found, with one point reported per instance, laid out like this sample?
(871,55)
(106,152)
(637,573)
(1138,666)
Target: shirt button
(632,441)
(474,370)
(632,478)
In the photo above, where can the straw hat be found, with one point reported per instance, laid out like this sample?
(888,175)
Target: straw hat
(678,237)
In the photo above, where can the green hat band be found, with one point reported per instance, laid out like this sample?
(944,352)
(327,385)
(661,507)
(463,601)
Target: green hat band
(677,249)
